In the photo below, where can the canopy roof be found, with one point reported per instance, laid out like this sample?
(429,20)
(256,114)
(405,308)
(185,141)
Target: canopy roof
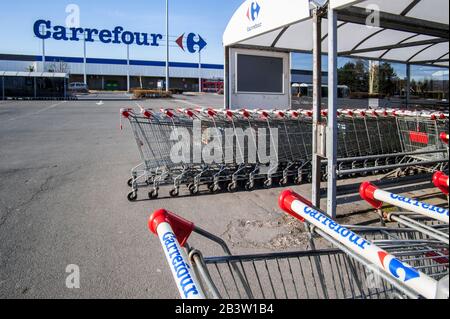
(33,74)
(410,31)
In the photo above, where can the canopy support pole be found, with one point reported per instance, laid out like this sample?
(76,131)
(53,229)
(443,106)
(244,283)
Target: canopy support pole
(3,88)
(332,131)
(226,82)
(408,84)
(317,101)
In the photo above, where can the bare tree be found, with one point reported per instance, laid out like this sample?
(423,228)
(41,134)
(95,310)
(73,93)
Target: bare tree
(59,67)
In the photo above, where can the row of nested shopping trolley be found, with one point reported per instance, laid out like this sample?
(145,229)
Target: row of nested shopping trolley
(224,150)
(405,257)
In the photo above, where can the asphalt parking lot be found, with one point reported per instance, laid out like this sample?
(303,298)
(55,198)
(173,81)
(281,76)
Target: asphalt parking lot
(63,173)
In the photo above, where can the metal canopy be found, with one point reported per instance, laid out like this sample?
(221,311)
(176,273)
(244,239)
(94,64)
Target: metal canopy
(406,31)
(33,74)
(409,31)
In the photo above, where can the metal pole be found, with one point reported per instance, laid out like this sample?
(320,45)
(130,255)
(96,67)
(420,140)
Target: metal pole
(3,88)
(226,81)
(85,59)
(35,87)
(167,47)
(65,87)
(199,72)
(332,131)
(408,84)
(317,100)
(128,68)
(43,51)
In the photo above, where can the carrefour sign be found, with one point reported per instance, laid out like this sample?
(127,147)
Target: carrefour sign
(44,29)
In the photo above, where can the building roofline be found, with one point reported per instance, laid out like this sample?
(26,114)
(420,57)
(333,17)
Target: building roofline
(38,58)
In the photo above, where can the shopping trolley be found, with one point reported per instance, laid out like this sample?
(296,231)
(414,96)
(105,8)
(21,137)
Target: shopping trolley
(154,133)
(415,267)
(421,131)
(368,141)
(441,181)
(432,221)
(335,273)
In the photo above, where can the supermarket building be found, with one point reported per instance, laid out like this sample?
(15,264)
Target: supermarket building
(111,74)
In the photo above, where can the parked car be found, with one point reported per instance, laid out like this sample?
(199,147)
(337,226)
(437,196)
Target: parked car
(78,87)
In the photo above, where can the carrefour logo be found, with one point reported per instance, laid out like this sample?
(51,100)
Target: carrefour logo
(398,269)
(44,29)
(253,11)
(191,43)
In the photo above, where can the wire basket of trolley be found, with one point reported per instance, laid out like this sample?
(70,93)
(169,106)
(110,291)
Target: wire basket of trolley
(420,132)
(362,262)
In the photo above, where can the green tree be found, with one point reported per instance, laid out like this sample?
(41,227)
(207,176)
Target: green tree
(355,75)
(386,79)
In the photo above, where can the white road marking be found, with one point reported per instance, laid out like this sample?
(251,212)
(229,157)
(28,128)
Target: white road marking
(38,112)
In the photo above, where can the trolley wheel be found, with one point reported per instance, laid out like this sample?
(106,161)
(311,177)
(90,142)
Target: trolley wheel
(232,187)
(174,192)
(268,183)
(153,194)
(298,181)
(130,182)
(249,186)
(194,190)
(284,181)
(213,188)
(132,196)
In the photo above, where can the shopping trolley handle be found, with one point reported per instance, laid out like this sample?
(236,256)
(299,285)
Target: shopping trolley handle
(211,112)
(444,137)
(367,193)
(188,112)
(286,199)
(349,113)
(437,116)
(181,227)
(148,113)
(440,180)
(378,113)
(294,114)
(229,114)
(307,113)
(325,113)
(280,114)
(168,112)
(244,113)
(126,112)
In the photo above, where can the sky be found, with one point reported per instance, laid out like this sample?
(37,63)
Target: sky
(207,18)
